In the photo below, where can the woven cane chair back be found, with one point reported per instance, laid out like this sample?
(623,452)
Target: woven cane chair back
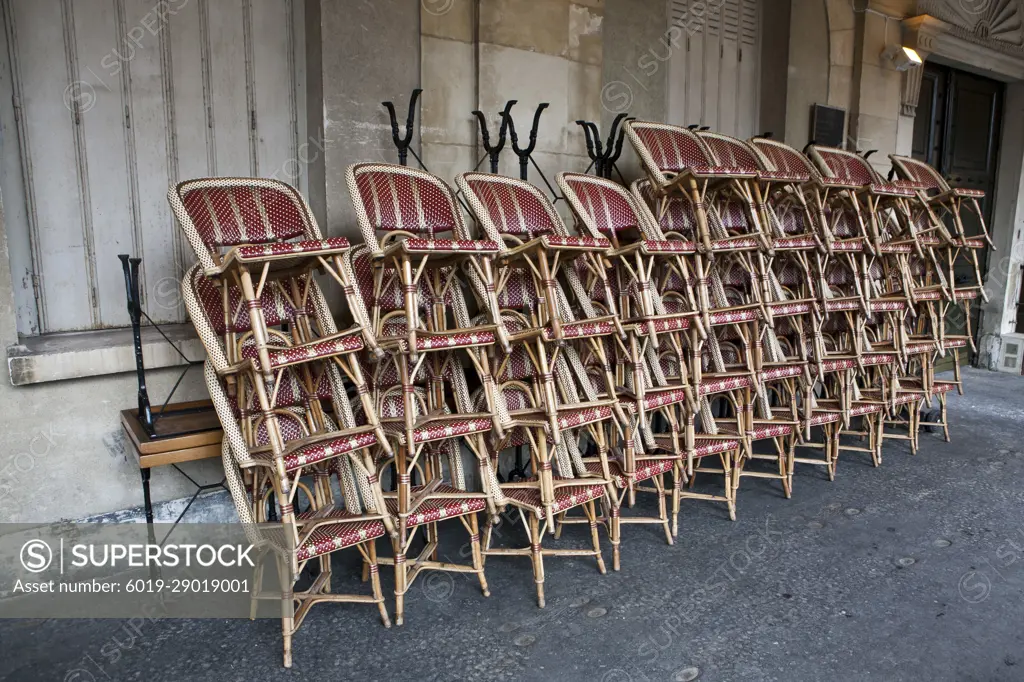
(781,158)
(606,207)
(222,212)
(390,198)
(666,150)
(843,166)
(507,206)
(919,172)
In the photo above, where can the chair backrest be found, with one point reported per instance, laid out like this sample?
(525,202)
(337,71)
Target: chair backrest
(918,171)
(389,198)
(222,212)
(666,148)
(509,206)
(783,158)
(842,165)
(205,304)
(678,214)
(731,152)
(606,207)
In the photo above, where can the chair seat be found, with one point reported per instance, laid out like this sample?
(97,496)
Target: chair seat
(783,176)
(761,431)
(891,247)
(662,324)
(735,243)
(897,188)
(655,398)
(720,384)
(646,469)
(258,252)
(790,308)
(669,246)
(965,192)
(955,342)
(836,305)
(837,364)
(334,536)
(305,455)
(702,447)
(566,497)
(878,358)
(887,305)
(970,243)
(966,293)
(439,508)
(427,341)
(929,294)
(574,417)
(798,242)
(848,245)
(440,428)
(557,240)
(573,330)
(417,245)
(919,347)
(729,316)
(314,350)
(782,372)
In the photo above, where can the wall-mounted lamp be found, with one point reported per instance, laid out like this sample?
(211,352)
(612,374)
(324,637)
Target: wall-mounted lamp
(902,58)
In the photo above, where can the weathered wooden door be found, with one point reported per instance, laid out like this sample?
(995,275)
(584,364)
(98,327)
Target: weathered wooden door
(711,52)
(956,130)
(103,105)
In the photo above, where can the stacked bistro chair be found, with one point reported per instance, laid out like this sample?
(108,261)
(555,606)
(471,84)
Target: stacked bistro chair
(738,290)
(545,278)
(413,301)
(274,371)
(739,310)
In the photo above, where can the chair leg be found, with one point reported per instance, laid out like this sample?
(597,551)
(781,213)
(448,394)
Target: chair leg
(677,484)
(659,484)
(478,563)
(287,611)
(591,511)
(374,571)
(945,421)
(401,575)
(730,464)
(538,558)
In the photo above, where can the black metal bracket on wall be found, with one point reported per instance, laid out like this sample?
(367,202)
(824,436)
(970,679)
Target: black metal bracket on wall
(130,266)
(603,158)
(493,152)
(525,154)
(403,144)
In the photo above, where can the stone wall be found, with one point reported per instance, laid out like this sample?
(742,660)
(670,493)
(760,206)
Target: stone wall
(478,55)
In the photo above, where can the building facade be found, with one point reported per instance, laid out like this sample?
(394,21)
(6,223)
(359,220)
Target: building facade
(107,102)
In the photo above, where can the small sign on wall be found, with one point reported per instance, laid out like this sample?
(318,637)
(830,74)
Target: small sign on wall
(828,125)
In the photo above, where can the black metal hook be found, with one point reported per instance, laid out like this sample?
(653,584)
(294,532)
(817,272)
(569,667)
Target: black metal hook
(869,153)
(525,153)
(130,266)
(494,152)
(403,143)
(603,157)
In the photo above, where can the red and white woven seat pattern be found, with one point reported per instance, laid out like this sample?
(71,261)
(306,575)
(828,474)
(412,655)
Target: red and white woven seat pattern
(566,496)
(439,508)
(334,536)
(330,245)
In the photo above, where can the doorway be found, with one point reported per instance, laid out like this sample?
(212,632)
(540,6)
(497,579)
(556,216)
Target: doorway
(956,130)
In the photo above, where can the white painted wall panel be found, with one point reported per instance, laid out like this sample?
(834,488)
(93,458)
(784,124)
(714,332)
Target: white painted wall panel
(149,135)
(272,36)
(156,93)
(229,98)
(109,221)
(716,83)
(59,244)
